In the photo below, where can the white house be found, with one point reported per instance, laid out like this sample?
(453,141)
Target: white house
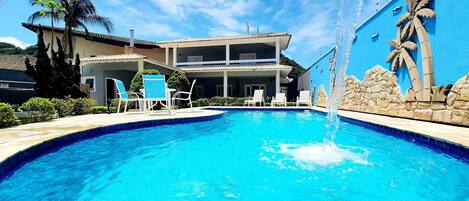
(231,66)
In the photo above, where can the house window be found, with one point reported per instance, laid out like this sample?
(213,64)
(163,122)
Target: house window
(250,88)
(199,91)
(247,56)
(195,58)
(220,90)
(4,86)
(91,81)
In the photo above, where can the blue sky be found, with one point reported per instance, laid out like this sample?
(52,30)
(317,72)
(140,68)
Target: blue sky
(311,22)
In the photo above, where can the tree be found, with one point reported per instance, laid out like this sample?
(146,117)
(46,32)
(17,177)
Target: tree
(67,81)
(411,23)
(178,81)
(399,58)
(42,72)
(297,68)
(77,14)
(10,49)
(56,78)
(51,9)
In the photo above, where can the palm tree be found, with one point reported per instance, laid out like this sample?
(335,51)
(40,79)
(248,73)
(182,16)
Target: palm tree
(418,9)
(78,13)
(400,57)
(51,9)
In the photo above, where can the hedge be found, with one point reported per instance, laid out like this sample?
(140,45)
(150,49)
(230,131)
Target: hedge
(7,116)
(65,107)
(39,109)
(83,106)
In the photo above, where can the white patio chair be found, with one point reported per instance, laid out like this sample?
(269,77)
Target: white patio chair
(124,96)
(188,94)
(257,98)
(279,98)
(304,98)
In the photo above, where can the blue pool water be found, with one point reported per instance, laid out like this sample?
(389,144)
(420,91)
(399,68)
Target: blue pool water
(241,156)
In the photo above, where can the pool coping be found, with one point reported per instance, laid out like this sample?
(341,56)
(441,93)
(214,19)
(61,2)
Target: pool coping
(457,149)
(28,153)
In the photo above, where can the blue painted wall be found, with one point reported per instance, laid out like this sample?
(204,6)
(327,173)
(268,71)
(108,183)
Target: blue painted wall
(449,38)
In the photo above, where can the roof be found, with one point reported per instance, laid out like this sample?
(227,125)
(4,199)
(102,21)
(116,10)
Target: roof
(285,39)
(221,68)
(15,62)
(103,38)
(123,58)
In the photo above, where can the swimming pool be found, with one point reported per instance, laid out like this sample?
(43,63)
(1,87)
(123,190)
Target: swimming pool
(244,155)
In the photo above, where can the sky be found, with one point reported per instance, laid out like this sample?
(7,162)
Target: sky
(311,22)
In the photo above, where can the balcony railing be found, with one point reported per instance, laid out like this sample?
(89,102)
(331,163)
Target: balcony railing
(223,62)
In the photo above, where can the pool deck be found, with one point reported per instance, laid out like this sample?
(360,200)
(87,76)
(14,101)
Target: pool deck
(448,133)
(19,138)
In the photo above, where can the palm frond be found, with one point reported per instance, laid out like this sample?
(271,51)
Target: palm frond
(394,43)
(401,59)
(100,21)
(38,15)
(402,19)
(83,26)
(411,5)
(391,56)
(426,12)
(395,64)
(409,45)
(421,4)
(405,31)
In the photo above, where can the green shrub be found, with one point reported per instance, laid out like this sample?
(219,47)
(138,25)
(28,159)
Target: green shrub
(178,81)
(201,102)
(64,107)
(7,116)
(102,110)
(218,101)
(83,105)
(39,109)
(137,81)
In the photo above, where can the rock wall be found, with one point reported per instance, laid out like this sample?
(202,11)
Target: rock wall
(321,100)
(379,93)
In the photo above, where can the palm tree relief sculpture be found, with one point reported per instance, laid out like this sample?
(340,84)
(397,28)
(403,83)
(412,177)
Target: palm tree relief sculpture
(400,57)
(409,24)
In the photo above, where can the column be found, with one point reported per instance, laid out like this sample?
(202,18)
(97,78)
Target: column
(175,51)
(227,51)
(225,84)
(166,56)
(277,51)
(277,81)
(140,66)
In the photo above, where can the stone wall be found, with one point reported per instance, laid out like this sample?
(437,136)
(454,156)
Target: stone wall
(379,93)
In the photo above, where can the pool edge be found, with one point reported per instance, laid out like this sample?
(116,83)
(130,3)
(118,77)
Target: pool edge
(18,159)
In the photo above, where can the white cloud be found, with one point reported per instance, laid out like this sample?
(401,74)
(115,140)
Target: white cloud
(14,41)
(158,30)
(224,14)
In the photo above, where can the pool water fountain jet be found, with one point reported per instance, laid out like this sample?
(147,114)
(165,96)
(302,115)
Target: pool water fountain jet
(347,20)
(328,153)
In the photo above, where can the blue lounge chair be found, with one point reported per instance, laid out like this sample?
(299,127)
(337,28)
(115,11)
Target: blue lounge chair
(155,90)
(124,96)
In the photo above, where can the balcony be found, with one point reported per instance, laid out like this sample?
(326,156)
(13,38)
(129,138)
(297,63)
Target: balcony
(227,55)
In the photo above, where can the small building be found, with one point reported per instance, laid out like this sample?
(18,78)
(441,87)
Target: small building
(15,86)
(230,66)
